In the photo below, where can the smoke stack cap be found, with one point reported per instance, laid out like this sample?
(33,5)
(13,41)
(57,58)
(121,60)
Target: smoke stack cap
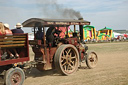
(81,18)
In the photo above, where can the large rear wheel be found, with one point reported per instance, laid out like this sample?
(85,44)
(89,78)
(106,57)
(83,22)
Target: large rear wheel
(66,59)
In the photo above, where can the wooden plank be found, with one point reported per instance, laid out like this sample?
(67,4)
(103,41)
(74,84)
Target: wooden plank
(12,39)
(12,61)
(19,36)
(12,45)
(22,36)
(12,42)
(33,42)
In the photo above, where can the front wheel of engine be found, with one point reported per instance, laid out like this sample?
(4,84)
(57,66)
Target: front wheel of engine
(91,59)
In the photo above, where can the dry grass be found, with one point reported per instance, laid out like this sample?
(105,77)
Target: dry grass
(112,69)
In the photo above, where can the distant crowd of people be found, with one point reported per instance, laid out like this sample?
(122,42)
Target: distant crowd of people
(5,30)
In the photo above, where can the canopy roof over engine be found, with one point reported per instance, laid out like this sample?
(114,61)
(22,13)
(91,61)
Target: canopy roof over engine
(53,22)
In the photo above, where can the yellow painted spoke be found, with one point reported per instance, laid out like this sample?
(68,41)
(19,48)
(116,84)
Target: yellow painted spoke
(94,62)
(63,64)
(70,54)
(66,52)
(95,59)
(69,51)
(73,57)
(72,62)
(91,63)
(93,55)
(68,67)
(71,66)
(65,67)
(63,57)
(62,61)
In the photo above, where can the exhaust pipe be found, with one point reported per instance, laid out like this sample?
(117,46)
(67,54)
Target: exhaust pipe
(81,30)
(81,18)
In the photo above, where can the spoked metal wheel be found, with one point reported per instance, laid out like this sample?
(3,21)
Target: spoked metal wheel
(66,59)
(14,76)
(91,59)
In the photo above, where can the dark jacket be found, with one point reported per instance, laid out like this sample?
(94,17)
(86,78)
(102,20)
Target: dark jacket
(17,30)
(39,35)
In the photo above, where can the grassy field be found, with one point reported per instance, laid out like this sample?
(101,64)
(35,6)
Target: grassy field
(112,69)
(108,47)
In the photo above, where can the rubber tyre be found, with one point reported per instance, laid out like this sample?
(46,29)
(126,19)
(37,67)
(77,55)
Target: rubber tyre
(14,71)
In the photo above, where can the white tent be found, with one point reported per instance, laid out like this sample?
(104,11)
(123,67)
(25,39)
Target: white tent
(116,34)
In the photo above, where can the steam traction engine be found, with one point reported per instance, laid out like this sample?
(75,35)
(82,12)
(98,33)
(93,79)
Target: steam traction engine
(53,51)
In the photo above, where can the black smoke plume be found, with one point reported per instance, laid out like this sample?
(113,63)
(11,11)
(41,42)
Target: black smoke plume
(51,9)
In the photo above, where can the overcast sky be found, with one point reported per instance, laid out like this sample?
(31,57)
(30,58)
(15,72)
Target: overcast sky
(101,13)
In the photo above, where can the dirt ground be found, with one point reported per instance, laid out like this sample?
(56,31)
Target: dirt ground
(112,69)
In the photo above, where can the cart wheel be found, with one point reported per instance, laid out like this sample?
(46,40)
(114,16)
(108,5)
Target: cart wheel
(91,59)
(14,76)
(66,59)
